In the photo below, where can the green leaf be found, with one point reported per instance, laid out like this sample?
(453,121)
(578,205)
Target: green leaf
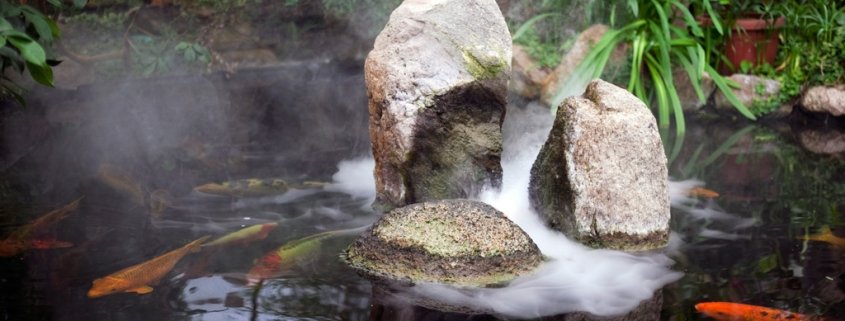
(530,23)
(714,17)
(190,55)
(2,41)
(55,3)
(694,77)
(41,73)
(54,28)
(5,25)
(638,49)
(722,84)
(635,7)
(30,50)
(660,91)
(79,4)
(39,22)
(689,19)
(181,46)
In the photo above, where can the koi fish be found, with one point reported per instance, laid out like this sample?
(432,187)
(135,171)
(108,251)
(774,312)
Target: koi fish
(703,192)
(246,187)
(826,235)
(139,277)
(244,235)
(291,255)
(728,311)
(13,247)
(42,222)
(21,240)
(121,181)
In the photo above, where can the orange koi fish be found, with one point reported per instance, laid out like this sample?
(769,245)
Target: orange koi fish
(139,277)
(121,181)
(246,187)
(703,192)
(21,240)
(728,311)
(826,235)
(244,235)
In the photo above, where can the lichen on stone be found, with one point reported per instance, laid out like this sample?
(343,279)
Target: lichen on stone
(483,67)
(453,241)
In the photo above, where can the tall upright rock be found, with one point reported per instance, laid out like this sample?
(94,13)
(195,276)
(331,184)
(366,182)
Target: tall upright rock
(437,83)
(601,177)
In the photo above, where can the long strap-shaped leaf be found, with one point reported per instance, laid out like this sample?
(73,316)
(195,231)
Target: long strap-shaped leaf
(722,84)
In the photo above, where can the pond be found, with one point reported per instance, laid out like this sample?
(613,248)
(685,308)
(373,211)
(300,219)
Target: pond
(135,151)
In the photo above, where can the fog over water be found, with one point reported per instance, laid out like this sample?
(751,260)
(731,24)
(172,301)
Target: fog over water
(575,278)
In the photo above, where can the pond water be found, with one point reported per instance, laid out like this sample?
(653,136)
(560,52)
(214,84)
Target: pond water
(128,149)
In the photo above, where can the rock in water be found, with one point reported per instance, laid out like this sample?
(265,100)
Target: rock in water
(460,242)
(825,99)
(437,83)
(601,177)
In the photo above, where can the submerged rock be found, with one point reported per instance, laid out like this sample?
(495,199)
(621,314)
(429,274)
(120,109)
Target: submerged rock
(437,83)
(601,177)
(460,242)
(824,99)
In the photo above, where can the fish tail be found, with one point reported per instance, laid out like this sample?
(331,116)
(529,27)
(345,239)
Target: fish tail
(196,245)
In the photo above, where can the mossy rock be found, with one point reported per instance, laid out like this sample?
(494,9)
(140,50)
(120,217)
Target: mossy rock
(458,242)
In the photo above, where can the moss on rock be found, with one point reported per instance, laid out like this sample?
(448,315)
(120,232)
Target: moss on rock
(460,242)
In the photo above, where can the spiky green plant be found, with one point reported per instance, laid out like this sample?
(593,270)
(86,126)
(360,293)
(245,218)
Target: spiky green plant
(656,45)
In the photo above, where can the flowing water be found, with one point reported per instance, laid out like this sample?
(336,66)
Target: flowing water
(133,153)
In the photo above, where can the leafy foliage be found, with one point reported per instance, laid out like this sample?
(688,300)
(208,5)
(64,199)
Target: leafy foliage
(550,33)
(814,40)
(656,46)
(812,50)
(25,35)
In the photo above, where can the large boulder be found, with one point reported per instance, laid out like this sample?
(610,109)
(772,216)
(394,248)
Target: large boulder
(601,177)
(437,82)
(825,99)
(459,242)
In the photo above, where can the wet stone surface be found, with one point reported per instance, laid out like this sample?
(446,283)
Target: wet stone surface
(460,242)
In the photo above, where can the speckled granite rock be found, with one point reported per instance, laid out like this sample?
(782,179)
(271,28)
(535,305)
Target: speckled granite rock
(825,99)
(601,177)
(437,82)
(458,241)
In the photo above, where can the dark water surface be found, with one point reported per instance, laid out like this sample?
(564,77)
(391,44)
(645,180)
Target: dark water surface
(743,246)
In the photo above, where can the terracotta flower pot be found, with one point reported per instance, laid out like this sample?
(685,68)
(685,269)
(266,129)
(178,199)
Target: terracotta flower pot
(752,39)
